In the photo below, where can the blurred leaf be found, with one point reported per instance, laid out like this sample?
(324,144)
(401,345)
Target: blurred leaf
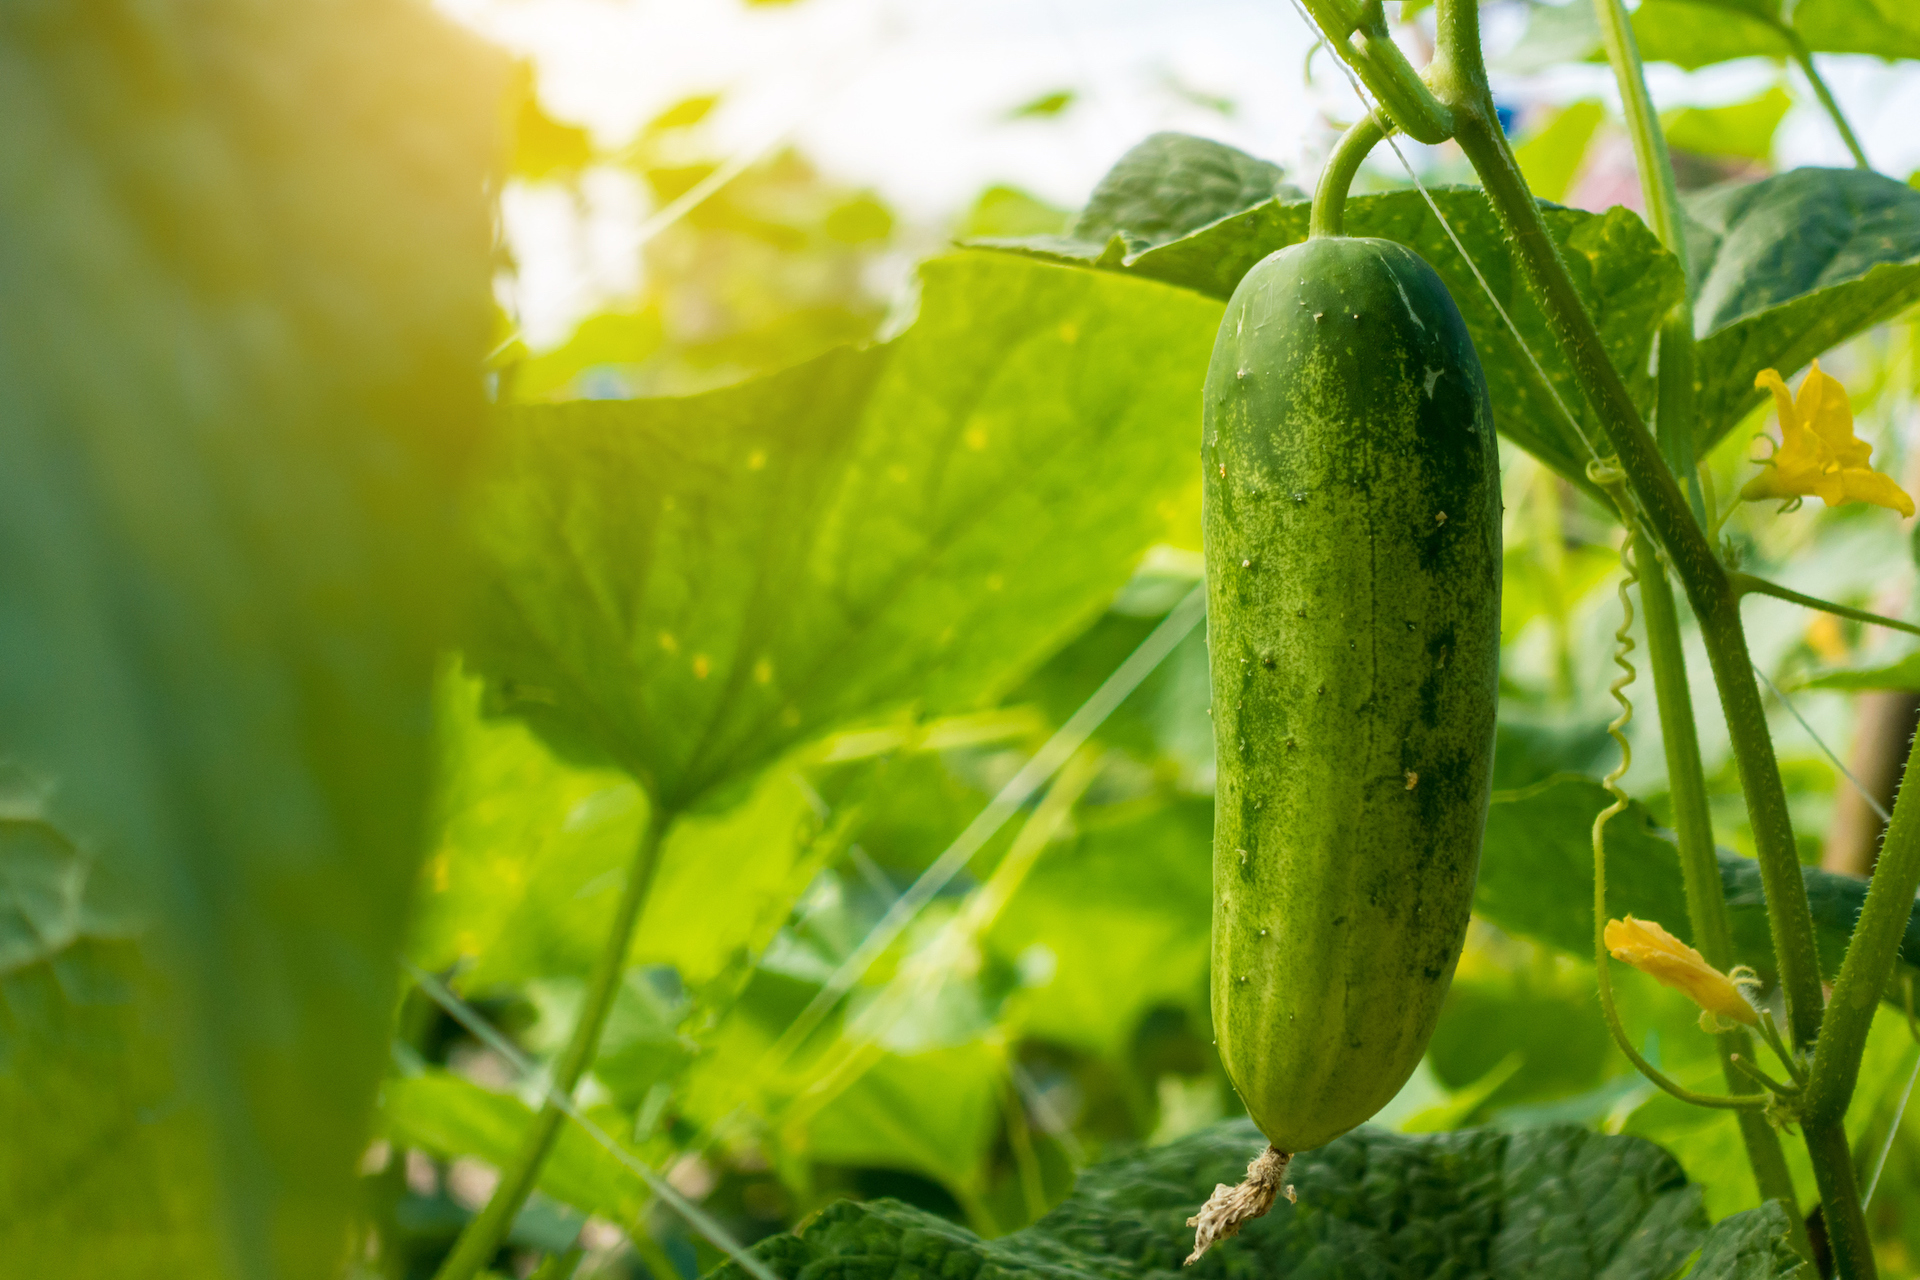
(1551,156)
(859,219)
(545,148)
(247,257)
(1556,34)
(1694,33)
(1743,129)
(611,338)
(1009,211)
(450,1116)
(935,1112)
(531,849)
(683,114)
(1904,674)
(1788,267)
(1750,1246)
(693,585)
(1536,878)
(1112,924)
(1045,106)
(1562,1202)
(1171,184)
(1623,275)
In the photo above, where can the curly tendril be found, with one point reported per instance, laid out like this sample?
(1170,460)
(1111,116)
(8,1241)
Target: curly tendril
(1608,476)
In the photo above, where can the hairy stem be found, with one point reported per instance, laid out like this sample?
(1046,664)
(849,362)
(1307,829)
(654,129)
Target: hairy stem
(1686,777)
(1868,968)
(1840,1199)
(1700,870)
(1747,584)
(1330,196)
(481,1238)
(1666,513)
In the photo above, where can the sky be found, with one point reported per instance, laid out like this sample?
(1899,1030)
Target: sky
(912,98)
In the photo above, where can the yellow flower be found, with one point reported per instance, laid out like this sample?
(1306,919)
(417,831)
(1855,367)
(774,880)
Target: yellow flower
(1819,456)
(1651,949)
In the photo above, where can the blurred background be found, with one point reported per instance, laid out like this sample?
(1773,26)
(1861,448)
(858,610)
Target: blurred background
(708,190)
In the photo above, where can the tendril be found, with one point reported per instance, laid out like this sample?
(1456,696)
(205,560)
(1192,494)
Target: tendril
(1608,476)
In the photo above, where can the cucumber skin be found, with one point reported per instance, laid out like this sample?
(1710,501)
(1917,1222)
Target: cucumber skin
(1354,641)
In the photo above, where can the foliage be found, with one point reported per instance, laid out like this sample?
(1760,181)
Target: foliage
(240,404)
(812,571)
(1558,1201)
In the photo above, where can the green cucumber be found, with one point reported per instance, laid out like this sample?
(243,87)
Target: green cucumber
(1352,531)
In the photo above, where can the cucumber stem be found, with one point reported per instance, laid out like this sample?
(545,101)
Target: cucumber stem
(1328,217)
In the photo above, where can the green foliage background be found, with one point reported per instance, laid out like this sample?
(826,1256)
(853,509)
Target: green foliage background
(313,662)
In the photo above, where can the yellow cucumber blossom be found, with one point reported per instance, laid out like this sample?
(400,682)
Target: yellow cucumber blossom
(1819,456)
(1651,949)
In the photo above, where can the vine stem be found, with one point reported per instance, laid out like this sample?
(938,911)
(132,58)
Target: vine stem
(1803,56)
(1459,76)
(1674,422)
(1328,216)
(482,1237)
(1700,874)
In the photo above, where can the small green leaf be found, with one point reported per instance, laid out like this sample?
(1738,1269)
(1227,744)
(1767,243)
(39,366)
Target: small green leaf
(1045,106)
(451,1116)
(1551,156)
(1559,1202)
(690,586)
(1171,184)
(1742,129)
(1904,674)
(1788,267)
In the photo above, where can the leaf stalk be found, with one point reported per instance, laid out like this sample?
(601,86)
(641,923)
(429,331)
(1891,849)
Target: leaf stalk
(482,1237)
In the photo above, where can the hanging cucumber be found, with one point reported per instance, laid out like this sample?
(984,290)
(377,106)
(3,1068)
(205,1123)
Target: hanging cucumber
(1352,531)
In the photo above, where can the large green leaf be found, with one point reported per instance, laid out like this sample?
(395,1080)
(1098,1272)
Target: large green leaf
(1559,1202)
(526,872)
(692,585)
(1788,267)
(1695,33)
(1622,274)
(246,257)
(1536,877)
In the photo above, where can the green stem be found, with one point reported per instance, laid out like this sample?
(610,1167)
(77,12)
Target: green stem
(481,1239)
(1747,584)
(1686,776)
(1330,197)
(1700,872)
(1674,408)
(1804,57)
(1666,512)
(1871,955)
(1358,34)
(1840,1199)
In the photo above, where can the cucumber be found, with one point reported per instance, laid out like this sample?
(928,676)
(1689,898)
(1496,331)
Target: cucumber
(1352,530)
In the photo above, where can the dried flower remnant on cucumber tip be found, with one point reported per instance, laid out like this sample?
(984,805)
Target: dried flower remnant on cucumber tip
(1819,455)
(1230,1208)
